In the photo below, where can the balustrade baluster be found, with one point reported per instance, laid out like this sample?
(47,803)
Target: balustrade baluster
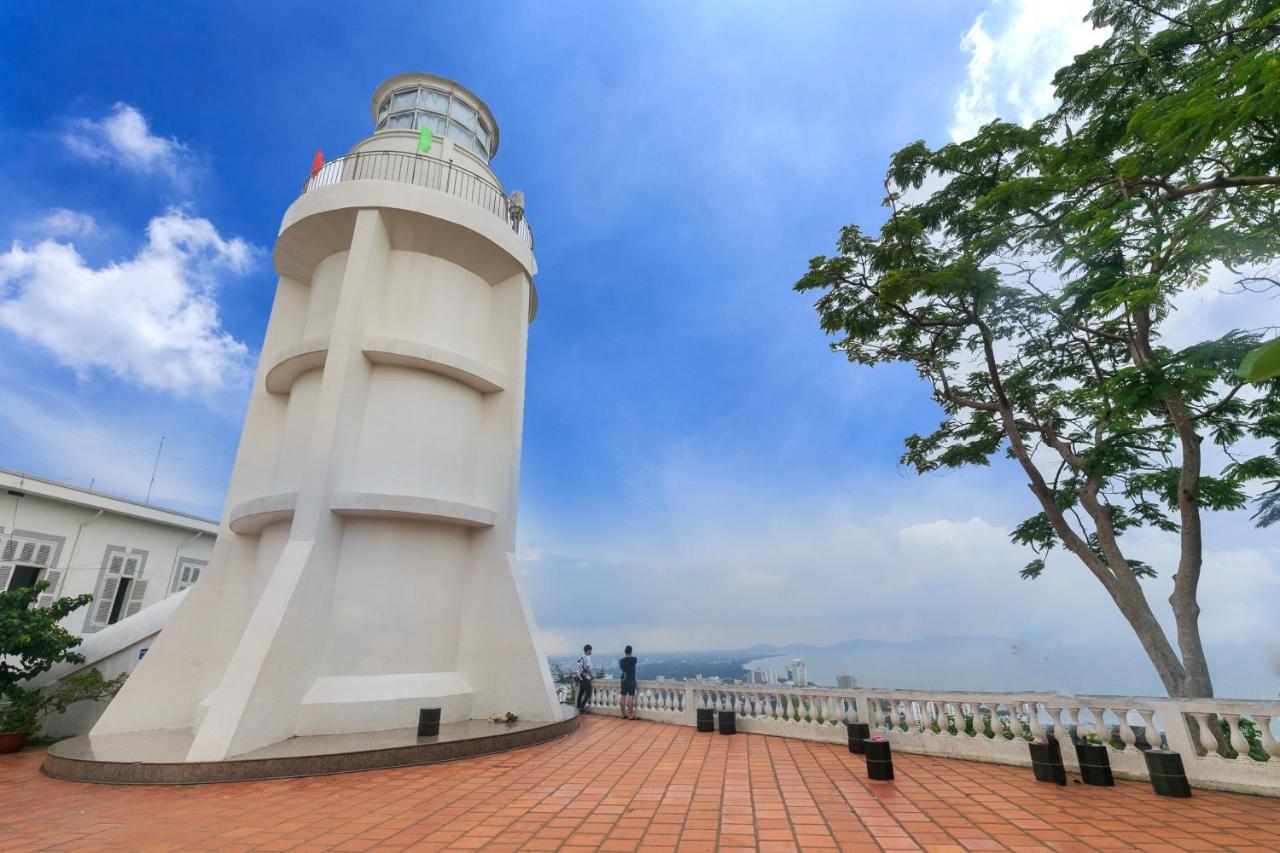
(1238,741)
(1060,732)
(1015,722)
(997,722)
(1150,733)
(940,717)
(1207,737)
(1100,728)
(1127,735)
(1033,719)
(1269,745)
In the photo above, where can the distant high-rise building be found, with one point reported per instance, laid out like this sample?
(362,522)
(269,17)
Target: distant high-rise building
(799,673)
(846,681)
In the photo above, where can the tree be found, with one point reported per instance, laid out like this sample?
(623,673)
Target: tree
(32,641)
(28,709)
(1031,288)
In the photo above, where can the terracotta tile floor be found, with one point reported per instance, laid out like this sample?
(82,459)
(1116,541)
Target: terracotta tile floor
(618,785)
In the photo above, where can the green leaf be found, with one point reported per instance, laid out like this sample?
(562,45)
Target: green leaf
(1262,363)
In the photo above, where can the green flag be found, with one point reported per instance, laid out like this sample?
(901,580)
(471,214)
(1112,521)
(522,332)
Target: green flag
(424,140)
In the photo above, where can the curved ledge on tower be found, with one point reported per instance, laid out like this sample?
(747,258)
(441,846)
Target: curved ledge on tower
(252,516)
(379,505)
(295,360)
(434,359)
(320,221)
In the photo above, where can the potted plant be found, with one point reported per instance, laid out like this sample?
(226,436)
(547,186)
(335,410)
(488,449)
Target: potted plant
(31,641)
(26,712)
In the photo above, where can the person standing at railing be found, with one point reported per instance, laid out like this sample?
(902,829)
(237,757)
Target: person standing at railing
(627,665)
(583,675)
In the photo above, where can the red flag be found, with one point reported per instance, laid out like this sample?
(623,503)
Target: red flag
(318,162)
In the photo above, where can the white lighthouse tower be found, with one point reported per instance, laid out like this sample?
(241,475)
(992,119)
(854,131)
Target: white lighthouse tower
(364,568)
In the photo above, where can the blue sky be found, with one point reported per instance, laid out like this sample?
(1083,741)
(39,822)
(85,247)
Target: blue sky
(698,469)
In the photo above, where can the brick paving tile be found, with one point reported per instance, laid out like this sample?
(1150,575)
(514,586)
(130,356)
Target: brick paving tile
(623,787)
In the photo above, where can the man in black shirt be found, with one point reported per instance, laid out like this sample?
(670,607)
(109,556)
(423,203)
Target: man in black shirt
(628,666)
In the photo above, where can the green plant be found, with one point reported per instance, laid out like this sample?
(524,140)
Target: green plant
(31,642)
(28,709)
(1249,729)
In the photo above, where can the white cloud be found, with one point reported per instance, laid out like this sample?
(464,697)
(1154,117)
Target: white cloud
(1012,63)
(61,222)
(124,139)
(151,319)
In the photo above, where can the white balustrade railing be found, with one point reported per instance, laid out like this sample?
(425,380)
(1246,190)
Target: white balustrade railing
(992,727)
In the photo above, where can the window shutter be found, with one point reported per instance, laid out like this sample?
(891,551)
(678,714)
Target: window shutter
(46,598)
(5,571)
(28,551)
(102,607)
(42,555)
(10,548)
(137,592)
(130,567)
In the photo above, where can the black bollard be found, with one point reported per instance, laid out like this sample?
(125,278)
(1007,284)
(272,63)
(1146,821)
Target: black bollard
(879,759)
(1168,778)
(1046,762)
(858,733)
(428,722)
(1095,765)
(728,722)
(706,720)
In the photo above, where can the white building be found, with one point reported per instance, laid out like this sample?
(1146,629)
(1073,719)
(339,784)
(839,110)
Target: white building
(799,673)
(364,569)
(126,554)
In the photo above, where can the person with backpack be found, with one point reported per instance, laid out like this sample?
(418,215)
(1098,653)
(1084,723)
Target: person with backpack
(627,665)
(583,674)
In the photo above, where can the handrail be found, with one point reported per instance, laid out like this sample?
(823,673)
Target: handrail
(995,727)
(422,171)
